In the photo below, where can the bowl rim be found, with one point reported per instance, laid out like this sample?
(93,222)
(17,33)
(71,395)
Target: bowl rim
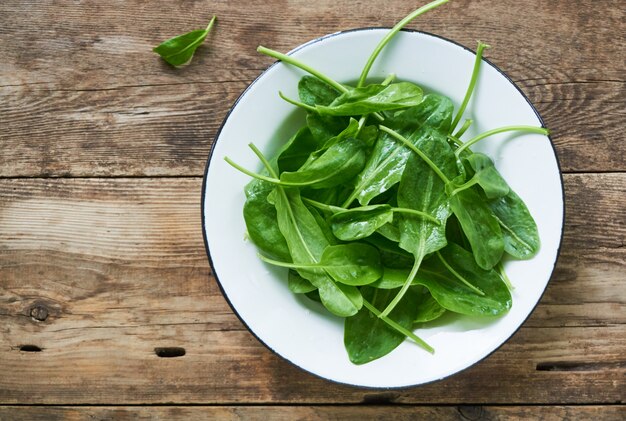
(203,200)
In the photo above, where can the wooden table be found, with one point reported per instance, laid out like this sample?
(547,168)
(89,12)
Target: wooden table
(102,153)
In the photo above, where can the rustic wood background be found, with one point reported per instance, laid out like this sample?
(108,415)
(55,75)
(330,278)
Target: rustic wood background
(102,152)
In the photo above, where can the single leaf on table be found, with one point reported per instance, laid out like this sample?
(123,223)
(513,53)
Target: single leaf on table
(367,337)
(449,291)
(387,161)
(337,165)
(480,226)
(373,98)
(307,243)
(180,49)
(521,238)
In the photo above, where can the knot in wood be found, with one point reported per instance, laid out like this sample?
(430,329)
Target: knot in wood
(39,313)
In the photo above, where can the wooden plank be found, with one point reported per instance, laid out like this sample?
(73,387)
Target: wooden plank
(97,273)
(339,413)
(87,97)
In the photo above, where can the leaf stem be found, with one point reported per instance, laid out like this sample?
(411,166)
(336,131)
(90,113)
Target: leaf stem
(250,173)
(288,264)
(417,213)
(464,186)
(398,327)
(468,122)
(323,206)
(472,84)
(421,154)
(264,160)
(504,277)
(210,25)
(288,59)
(526,129)
(297,103)
(392,33)
(459,277)
(405,287)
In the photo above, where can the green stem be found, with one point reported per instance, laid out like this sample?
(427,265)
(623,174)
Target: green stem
(323,206)
(398,327)
(288,264)
(250,173)
(392,33)
(472,84)
(405,286)
(526,129)
(455,139)
(264,160)
(463,129)
(288,59)
(297,103)
(459,277)
(421,154)
(504,277)
(417,213)
(464,186)
(210,25)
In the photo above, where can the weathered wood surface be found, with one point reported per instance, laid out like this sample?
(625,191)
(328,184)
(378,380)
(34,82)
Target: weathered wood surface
(330,413)
(98,271)
(120,268)
(81,93)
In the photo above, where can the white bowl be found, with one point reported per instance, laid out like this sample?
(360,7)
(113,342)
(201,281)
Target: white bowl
(297,329)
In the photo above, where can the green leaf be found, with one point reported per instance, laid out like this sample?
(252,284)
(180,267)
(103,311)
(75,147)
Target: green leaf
(486,176)
(428,309)
(297,284)
(521,238)
(261,221)
(307,243)
(387,161)
(367,337)
(373,98)
(451,293)
(313,91)
(361,222)
(180,49)
(297,150)
(480,226)
(337,165)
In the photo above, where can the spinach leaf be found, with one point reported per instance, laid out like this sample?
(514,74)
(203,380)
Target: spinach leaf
(324,127)
(306,243)
(428,309)
(180,49)
(480,227)
(448,290)
(387,161)
(358,223)
(367,337)
(297,150)
(260,218)
(421,236)
(373,98)
(391,255)
(337,165)
(313,91)
(351,264)
(297,284)
(485,175)
(521,238)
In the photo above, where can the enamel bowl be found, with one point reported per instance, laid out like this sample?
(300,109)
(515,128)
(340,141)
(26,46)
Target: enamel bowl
(299,330)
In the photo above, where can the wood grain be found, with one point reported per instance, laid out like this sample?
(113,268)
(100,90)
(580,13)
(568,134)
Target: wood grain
(119,265)
(330,413)
(83,95)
